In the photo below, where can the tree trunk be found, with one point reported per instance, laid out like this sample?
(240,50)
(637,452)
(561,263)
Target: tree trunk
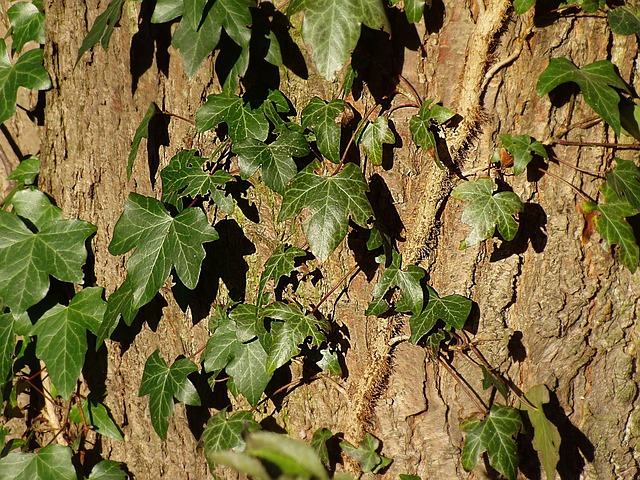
(550,309)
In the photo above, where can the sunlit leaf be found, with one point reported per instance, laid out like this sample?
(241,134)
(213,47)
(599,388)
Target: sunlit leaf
(102,28)
(453,310)
(321,117)
(625,20)
(52,462)
(96,415)
(366,454)
(374,136)
(27,24)
(522,147)
(107,470)
(243,120)
(408,281)
(227,433)
(624,179)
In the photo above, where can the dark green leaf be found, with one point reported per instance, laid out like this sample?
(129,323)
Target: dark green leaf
(487,211)
(598,81)
(374,136)
(7,346)
(141,132)
(167,10)
(494,435)
(414,9)
(193,12)
(404,476)
(367,454)
(107,470)
(490,380)
(27,171)
(120,303)
(321,117)
(625,20)
(630,119)
(27,24)
(227,433)
(331,200)
(430,113)
(36,207)
(162,383)
(592,6)
(522,147)
(624,179)
(522,6)
(408,281)
(102,28)
(161,243)
(319,443)
(62,337)
(96,415)
(53,462)
(242,120)
(280,263)
(453,310)
(195,46)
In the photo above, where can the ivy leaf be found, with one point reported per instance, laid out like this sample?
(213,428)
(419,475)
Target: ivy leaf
(374,136)
(27,171)
(167,10)
(162,383)
(107,470)
(625,20)
(453,310)
(592,6)
(624,179)
(120,303)
(598,81)
(242,120)
(161,243)
(494,434)
(102,28)
(522,147)
(28,258)
(332,29)
(522,6)
(408,281)
(319,443)
(280,263)
(487,211)
(227,433)
(322,117)
(27,25)
(187,175)
(96,414)
(141,132)
(27,72)
(331,201)
(367,454)
(278,167)
(613,227)
(52,462)
(62,337)
(294,329)
(7,346)
(490,380)
(546,438)
(35,206)
(420,126)
(413,10)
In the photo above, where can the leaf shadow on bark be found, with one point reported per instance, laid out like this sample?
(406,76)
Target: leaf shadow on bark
(434,16)
(216,398)
(151,314)
(531,231)
(158,137)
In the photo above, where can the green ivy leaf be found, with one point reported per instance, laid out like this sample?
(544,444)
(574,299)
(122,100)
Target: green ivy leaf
(242,120)
(453,310)
(625,20)
(331,200)
(487,211)
(7,346)
(52,462)
(62,337)
(280,263)
(102,28)
(27,72)
(367,454)
(404,476)
(162,383)
(35,206)
(414,9)
(28,258)
(187,175)
(592,6)
(613,227)
(161,243)
(120,303)
(27,171)
(27,24)
(522,6)
(278,167)
(167,10)
(598,81)
(546,438)
(522,147)
(494,434)
(107,470)
(319,443)
(329,361)
(96,414)
(408,281)
(374,136)
(227,433)
(293,329)
(419,125)
(624,179)
(490,380)
(321,117)
(141,132)
(332,29)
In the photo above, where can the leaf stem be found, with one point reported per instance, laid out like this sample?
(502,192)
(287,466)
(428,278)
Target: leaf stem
(404,105)
(353,137)
(353,271)
(411,87)
(463,384)
(575,189)
(583,170)
(626,146)
(188,120)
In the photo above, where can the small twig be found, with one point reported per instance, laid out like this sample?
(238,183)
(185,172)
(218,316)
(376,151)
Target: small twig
(574,143)
(404,105)
(188,120)
(352,271)
(461,382)
(411,87)
(575,189)
(583,170)
(353,137)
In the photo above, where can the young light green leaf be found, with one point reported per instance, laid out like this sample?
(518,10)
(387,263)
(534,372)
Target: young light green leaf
(367,454)
(27,72)
(546,438)
(280,263)
(28,258)
(453,310)
(332,29)
(102,28)
(414,9)
(613,227)
(408,281)
(62,337)
(96,415)
(522,147)
(162,383)
(294,329)
(141,132)
(625,20)
(242,120)
(167,10)
(494,434)
(52,462)
(27,170)
(487,211)
(374,136)
(321,117)
(161,243)
(319,443)
(276,158)
(598,81)
(331,200)
(522,6)
(27,24)
(188,175)
(404,476)
(624,179)
(226,433)
(107,470)
(7,346)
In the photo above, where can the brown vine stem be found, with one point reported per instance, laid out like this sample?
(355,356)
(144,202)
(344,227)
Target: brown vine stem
(583,170)
(353,271)
(621,146)
(185,119)
(462,383)
(367,114)
(411,87)
(50,408)
(404,105)
(584,196)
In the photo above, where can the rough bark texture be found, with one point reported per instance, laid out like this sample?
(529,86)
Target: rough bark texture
(550,309)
